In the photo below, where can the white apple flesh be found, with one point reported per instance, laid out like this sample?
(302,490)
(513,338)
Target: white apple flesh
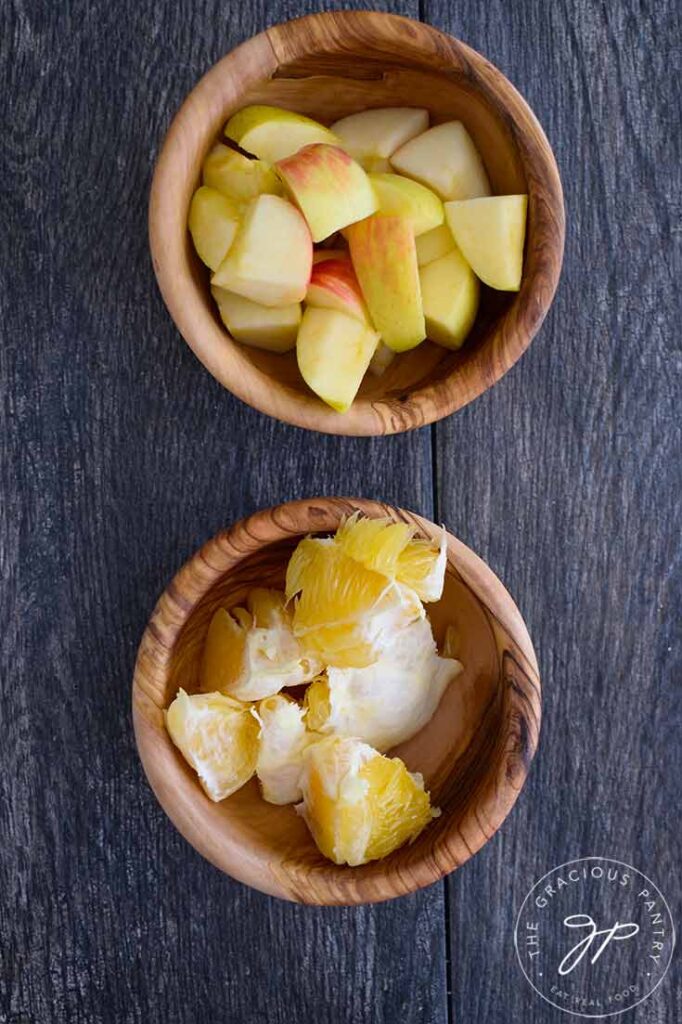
(446,160)
(450,293)
(273,328)
(333,351)
(373,135)
(434,244)
(491,234)
(271,257)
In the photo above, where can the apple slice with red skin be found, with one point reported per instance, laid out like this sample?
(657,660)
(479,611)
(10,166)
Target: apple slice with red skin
(328,186)
(334,285)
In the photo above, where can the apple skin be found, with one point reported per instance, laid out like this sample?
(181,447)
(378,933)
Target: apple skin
(446,160)
(272,133)
(491,233)
(385,260)
(371,136)
(213,222)
(270,260)
(334,285)
(450,293)
(238,177)
(333,351)
(328,186)
(273,328)
(401,197)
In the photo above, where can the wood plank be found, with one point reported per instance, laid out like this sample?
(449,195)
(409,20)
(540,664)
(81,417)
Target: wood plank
(566,479)
(120,455)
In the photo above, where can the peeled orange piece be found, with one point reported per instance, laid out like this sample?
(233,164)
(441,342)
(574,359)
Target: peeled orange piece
(283,740)
(345,613)
(388,702)
(218,737)
(252,653)
(358,804)
(389,548)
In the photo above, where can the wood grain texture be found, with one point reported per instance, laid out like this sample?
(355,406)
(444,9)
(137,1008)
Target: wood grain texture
(327,66)
(566,478)
(474,754)
(120,455)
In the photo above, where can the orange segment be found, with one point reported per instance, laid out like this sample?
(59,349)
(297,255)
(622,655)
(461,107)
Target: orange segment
(345,612)
(252,654)
(360,805)
(283,740)
(218,737)
(389,548)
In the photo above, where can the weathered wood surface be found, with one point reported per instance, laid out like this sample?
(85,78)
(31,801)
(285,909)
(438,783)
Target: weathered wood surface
(121,454)
(566,479)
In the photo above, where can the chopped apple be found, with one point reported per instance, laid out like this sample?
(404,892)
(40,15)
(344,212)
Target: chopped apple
(271,258)
(273,328)
(385,260)
(403,197)
(333,285)
(329,187)
(238,177)
(273,134)
(491,232)
(450,293)
(320,255)
(213,221)
(373,135)
(445,159)
(381,360)
(434,244)
(333,352)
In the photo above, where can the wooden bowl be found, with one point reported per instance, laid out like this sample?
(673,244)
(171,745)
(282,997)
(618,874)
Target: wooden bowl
(474,753)
(327,66)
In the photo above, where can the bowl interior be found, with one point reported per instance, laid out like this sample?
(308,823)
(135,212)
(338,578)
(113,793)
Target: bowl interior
(473,755)
(325,87)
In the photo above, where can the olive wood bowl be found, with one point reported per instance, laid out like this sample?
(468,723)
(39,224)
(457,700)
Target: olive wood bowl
(474,754)
(328,66)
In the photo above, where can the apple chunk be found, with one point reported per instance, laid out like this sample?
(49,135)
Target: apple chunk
(333,351)
(450,292)
(434,244)
(238,177)
(385,260)
(320,255)
(333,285)
(381,360)
(329,187)
(445,159)
(403,197)
(272,133)
(271,258)
(491,232)
(273,328)
(213,221)
(372,135)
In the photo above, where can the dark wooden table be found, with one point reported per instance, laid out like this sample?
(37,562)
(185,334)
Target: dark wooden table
(121,455)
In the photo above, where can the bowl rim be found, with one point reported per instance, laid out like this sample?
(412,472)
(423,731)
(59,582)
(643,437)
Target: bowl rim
(519,685)
(258,58)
